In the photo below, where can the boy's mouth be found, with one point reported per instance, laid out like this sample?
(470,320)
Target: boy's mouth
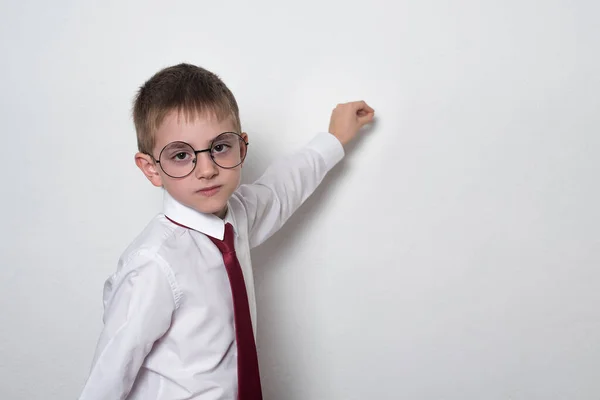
(209,191)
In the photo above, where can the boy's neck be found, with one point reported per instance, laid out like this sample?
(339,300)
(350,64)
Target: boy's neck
(223,213)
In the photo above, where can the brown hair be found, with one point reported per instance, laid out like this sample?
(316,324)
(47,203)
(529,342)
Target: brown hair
(189,89)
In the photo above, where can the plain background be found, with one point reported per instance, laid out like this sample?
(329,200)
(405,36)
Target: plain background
(454,254)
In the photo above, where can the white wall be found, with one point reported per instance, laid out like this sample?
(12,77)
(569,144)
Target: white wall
(453,255)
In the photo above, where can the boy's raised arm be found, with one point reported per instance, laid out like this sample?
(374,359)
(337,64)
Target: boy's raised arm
(287,183)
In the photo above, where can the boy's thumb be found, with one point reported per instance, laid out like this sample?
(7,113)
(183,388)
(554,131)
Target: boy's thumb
(364,119)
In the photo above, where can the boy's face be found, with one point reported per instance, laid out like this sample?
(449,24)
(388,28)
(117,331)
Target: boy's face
(209,186)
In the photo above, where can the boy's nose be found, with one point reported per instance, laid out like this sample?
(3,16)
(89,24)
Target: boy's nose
(205,167)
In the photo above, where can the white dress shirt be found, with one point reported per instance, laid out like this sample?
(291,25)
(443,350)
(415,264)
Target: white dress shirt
(168,315)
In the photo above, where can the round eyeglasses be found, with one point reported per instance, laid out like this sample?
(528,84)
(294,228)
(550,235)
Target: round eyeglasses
(178,159)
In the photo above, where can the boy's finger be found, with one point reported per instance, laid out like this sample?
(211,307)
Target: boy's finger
(364,119)
(361,105)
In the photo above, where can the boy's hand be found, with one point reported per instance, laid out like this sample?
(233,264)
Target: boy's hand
(348,118)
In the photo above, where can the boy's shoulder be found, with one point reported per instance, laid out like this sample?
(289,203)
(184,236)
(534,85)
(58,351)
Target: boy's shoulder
(146,250)
(150,240)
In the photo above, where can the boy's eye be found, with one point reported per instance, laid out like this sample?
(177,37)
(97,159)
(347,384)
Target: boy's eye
(220,148)
(180,156)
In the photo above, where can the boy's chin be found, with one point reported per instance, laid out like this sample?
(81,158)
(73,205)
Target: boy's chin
(216,205)
(218,208)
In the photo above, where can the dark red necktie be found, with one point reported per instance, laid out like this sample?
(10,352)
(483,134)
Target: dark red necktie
(248,374)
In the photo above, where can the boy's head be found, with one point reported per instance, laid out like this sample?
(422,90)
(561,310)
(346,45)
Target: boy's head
(177,113)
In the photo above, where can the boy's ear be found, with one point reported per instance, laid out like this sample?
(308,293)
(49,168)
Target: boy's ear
(245,137)
(147,165)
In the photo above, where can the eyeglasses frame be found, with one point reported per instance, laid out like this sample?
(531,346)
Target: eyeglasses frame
(196,152)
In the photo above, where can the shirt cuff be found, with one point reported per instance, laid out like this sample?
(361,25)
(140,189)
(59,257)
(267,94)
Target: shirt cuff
(329,147)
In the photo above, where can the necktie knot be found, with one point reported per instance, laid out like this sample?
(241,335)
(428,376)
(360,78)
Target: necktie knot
(227,245)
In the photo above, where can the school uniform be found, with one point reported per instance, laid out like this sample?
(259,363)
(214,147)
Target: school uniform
(169,322)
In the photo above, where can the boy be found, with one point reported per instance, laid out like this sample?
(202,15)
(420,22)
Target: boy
(179,319)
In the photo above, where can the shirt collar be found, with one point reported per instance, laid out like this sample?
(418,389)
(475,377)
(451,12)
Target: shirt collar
(208,224)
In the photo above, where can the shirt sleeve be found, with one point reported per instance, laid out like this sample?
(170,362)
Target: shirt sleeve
(137,313)
(286,184)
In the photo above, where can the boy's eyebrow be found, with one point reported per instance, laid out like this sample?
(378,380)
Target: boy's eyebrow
(214,137)
(176,144)
(219,134)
